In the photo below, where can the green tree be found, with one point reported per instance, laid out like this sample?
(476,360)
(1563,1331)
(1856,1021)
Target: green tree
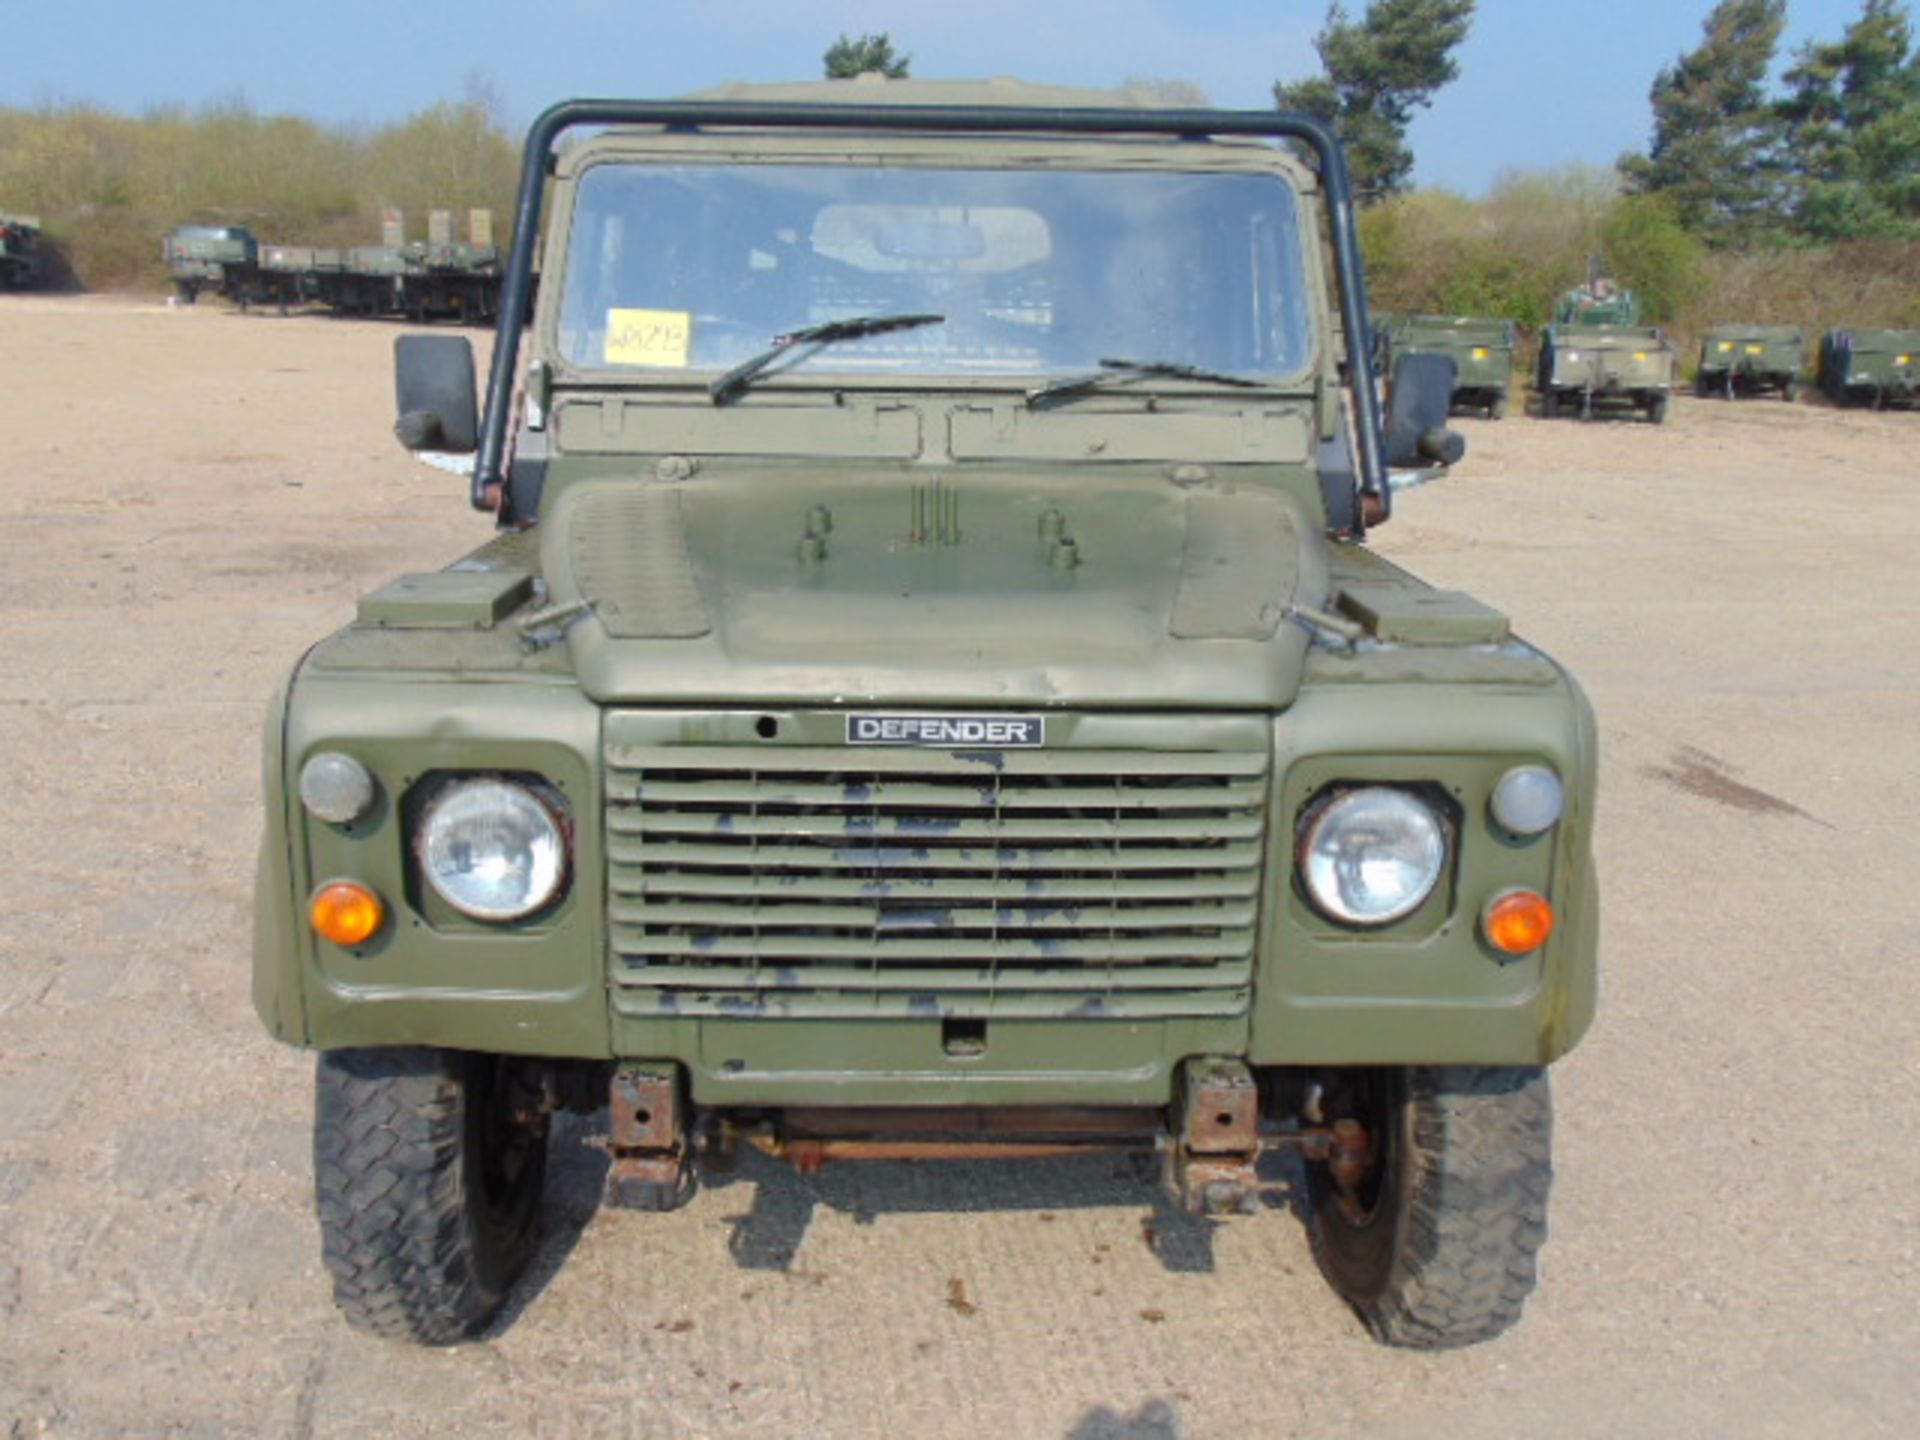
(1713,125)
(848,57)
(1852,112)
(1652,252)
(1377,71)
(449,156)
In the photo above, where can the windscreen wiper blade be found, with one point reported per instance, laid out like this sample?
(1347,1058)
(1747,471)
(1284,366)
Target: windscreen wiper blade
(803,342)
(1128,372)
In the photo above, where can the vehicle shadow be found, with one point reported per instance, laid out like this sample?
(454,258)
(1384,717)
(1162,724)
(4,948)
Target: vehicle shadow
(576,1178)
(1155,1420)
(768,1236)
(770,1233)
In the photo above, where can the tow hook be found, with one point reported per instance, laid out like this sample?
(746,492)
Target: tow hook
(1210,1162)
(647,1139)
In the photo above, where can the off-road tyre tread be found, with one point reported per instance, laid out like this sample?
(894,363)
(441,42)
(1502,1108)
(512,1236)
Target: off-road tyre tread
(398,1232)
(1478,1170)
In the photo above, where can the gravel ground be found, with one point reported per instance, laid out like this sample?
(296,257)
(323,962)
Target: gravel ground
(191,496)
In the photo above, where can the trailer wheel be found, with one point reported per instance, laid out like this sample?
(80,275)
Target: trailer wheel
(1435,1242)
(1549,405)
(1657,410)
(1497,406)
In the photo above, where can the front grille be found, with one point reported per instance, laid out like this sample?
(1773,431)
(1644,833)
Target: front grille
(829,882)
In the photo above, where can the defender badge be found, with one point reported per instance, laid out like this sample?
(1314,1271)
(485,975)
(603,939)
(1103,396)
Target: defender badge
(999,732)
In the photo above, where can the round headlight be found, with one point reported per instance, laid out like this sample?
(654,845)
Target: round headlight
(492,849)
(1528,799)
(1371,856)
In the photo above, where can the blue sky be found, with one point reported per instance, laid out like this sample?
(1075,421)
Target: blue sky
(1544,82)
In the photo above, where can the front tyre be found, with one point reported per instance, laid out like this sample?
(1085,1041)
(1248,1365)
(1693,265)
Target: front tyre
(1435,1243)
(428,1167)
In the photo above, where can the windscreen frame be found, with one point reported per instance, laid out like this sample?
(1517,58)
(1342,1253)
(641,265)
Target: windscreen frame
(538,159)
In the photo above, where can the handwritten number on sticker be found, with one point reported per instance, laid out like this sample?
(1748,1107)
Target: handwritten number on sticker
(649,337)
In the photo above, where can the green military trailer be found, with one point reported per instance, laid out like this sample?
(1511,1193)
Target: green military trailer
(1751,360)
(299,274)
(290,275)
(456,279)
(222,258)
(1870,367)
(1601,300)
(373,279)
(1481,349)
(930,696)
(21,260)
(1589,369)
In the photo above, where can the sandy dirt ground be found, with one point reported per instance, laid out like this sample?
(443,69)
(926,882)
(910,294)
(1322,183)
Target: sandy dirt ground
(189,497)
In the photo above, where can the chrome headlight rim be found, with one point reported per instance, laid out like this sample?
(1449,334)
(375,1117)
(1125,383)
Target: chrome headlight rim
(1339,800)
(543,802)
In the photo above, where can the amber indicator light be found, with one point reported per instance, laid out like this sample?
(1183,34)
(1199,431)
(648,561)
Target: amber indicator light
(1517,922)
(345,912)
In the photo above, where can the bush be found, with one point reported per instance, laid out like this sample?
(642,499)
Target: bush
(107,186)
(1509,255)
(1652,253)
(1515,252)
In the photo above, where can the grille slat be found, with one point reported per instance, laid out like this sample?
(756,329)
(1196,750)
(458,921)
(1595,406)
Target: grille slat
(874,881)
(943,827)
(886,918)
(971,794)
(1117,949)
(648,858)
(781,888)
(626,762)
(639,1003)
(956,978)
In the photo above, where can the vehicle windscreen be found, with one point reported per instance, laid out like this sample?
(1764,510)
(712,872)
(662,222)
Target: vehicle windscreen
(699,267)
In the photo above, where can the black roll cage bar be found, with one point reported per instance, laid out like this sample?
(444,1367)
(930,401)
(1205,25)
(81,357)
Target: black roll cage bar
(489,464)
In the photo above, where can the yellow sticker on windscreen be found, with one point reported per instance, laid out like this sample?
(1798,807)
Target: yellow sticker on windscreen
(648,337)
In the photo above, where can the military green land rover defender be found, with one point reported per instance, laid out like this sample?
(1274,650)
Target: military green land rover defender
(930,697)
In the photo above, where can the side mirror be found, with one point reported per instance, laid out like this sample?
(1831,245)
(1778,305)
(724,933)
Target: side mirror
(1418,401)
(433,389)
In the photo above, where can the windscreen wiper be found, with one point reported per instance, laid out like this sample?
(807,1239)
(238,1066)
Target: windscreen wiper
(803,342)
(1128,372)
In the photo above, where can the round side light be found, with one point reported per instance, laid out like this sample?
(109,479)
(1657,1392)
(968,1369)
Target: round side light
(1517,922)
(336,788)
(1528,800)
(346,912)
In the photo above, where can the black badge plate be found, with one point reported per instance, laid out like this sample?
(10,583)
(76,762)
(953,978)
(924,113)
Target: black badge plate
(991,732)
